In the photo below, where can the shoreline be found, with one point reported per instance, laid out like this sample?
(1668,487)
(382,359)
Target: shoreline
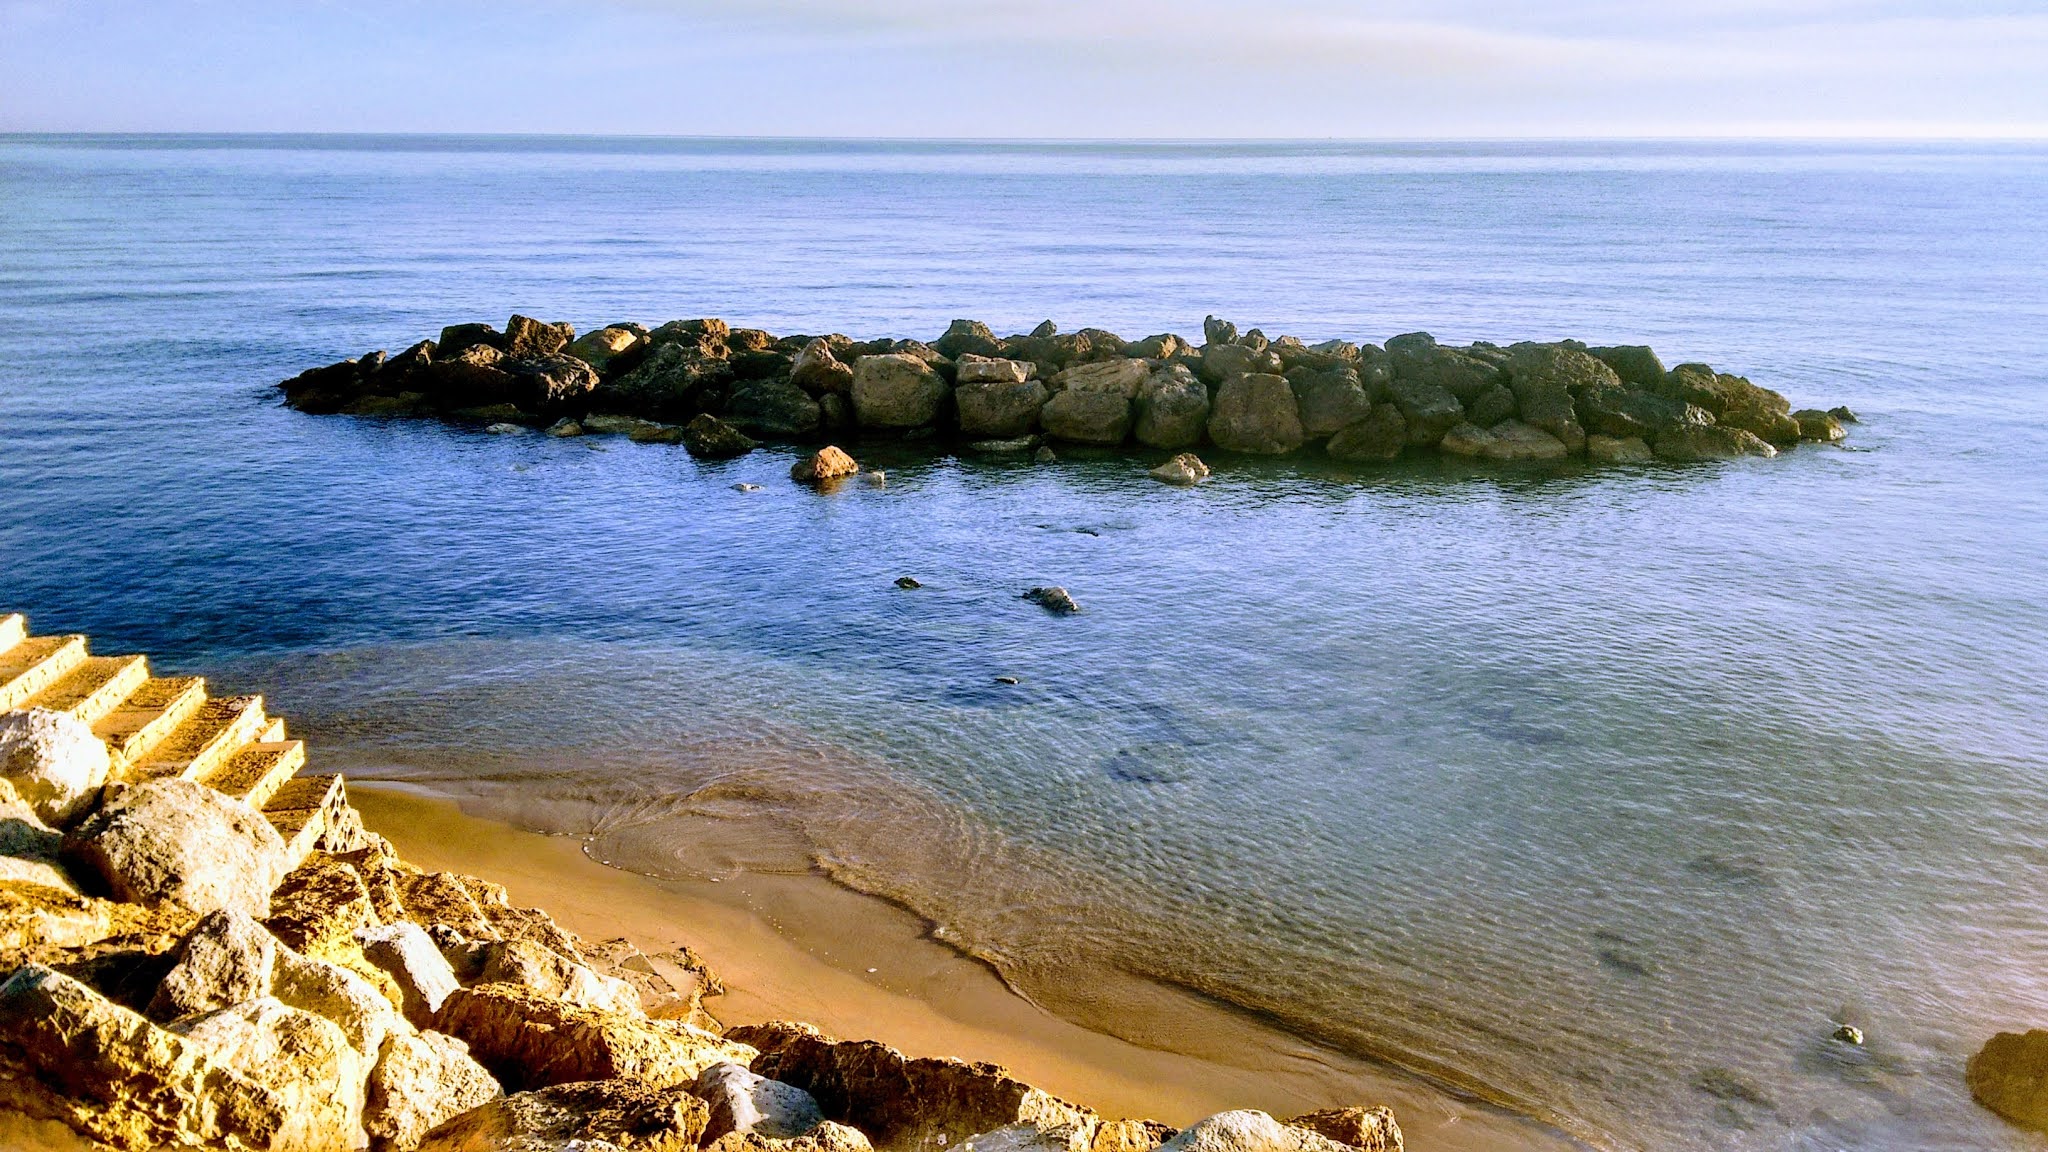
(802,947)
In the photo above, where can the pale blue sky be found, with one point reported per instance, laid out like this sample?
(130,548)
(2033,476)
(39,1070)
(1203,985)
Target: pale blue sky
(1035,68)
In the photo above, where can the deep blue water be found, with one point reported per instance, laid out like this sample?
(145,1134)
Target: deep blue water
(1592,789)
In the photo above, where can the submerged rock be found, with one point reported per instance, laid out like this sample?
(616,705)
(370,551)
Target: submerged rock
(1380,436)
(1815,424)
(827,463)
(709,438)
(1053,599)
(1184,469)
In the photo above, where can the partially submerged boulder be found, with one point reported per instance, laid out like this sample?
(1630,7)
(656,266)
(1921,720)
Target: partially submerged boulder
(896,391)
(181,842)
(54,762)
(2009,1075)
(827,463)
(998,408)
(1172,409)
(1255,413)
(1087,417)
(1508,440)
(709,438)
(1183,470)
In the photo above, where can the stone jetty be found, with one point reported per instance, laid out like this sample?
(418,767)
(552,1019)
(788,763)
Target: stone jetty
(718,389)
(202,946)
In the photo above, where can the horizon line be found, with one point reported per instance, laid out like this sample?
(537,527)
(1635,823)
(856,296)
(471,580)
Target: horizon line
(2031,137)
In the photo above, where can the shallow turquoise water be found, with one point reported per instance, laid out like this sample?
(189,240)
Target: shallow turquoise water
(1599,791)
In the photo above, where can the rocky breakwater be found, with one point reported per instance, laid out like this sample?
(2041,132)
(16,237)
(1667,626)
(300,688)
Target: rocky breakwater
(202,946)
(716,389)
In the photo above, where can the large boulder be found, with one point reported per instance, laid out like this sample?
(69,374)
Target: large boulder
(709,336)
(747,1102)
(924,1104)
(998,409)
(1692,442)
(54,762)
(365,1015)
(1329,400)
(304,1059)
(458,338)
(1367,1129)
(1216,330)
(321,905)
(1172,409)
(966,336)
(1618,410)
(1130,1136)
(226,958)
(773,407)
(1546,379)
(1508,440)
(896,390)
(1114,377)
(525,336)
(972,369)
(1734,401)
(1815,424)
(529,1040)
(1604,449)
(184,843)
(421,1081)
(818,371)
(1246,1130)
(550,384)
(1416,358)
(673,382)
(1224,362)
(68,1053)
(1256,414)
(1634,363)
(414,962)
(1380,436)
(611,348)
(1427,410)
(600,1116)
(2009,1075)
(551,974)
(1087,417)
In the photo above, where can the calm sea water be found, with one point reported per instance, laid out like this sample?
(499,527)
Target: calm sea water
(1607,793)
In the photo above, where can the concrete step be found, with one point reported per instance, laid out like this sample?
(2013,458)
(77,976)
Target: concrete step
(150,713)
(96,687)
(209,738)
(301,809)
(13,630)
(273,730)
(34,664)
(255,773)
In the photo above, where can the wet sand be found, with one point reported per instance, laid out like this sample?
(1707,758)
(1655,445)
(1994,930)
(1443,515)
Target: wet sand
(799,947)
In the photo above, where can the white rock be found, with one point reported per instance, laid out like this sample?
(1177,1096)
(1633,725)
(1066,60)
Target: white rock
(406,951)
(1247,1130)
(420,1081)
(181,842)
(742,1101)
(329,990)
(53,760)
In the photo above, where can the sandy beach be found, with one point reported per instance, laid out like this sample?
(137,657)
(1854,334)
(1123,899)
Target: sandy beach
(803,948)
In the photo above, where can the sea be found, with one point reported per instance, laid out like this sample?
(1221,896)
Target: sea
(1606,794)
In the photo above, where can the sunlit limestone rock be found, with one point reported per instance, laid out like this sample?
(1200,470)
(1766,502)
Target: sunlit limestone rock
(304,1059)
(746,1102)
(1693,442)
(409,955)
(54,762)
(227,958)
(1184,469)
(1256,414)
(1087,417)
(421,1081)
(597,1116)
(1172,409)
(1815,424)
(1328,400)
(827,463)
(184,843)
(1247,1130)
(1734,401)
(895,391)
(998,409)
(609,348)
(1367,1129)
(529,1040)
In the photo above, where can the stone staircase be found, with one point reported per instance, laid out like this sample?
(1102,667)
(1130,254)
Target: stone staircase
(164,726)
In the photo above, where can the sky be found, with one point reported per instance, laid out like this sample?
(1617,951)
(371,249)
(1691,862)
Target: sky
(1202,69)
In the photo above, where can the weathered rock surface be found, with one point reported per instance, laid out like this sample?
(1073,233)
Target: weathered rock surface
(1184,469)
(1224,362)
(72,1055)
(600,1116)
(1692,442)
(1115,377)
(1734,401)
(900,1102)
(1508,440)
(2009,1075)
(54,762)
(1815,424)
(672,382)
(1130,1136)
(817,370)
(747,1102)
(896,390)
(529,1040)
(1635,364)
(970,337)
(998,409)
(303,1059)
(772,407)
(1172,409)
(1054,599)
(1427,410)
(1368,1129)
(1546,378)
(1247,1130)
(549,384)
(414,962)
(1255,414)
(531,966)
(181,842)
(1427,368)
(362,1010)
(1380,436)
(1329,400)
(525,336)
(1604,449)
(972,369)
(709,438)
(421,1081)
(609,348)
(1087,417)
(227,959)
(827,463)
